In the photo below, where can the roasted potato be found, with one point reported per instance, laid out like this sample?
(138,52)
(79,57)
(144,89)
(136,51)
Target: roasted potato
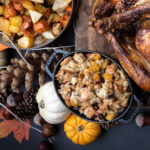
(1,10)
(41,9)
(16,21)
(56,18)
(13,29)
(25,42)
(48,35)
(4,24)
(28,5)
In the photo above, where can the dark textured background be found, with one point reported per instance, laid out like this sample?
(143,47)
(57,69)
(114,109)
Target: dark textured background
(121,137)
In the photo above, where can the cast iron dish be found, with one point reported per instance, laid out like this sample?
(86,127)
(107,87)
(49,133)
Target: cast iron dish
(47,41)
(124,117)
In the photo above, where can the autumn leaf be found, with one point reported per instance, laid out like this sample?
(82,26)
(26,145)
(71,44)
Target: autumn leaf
(20,130)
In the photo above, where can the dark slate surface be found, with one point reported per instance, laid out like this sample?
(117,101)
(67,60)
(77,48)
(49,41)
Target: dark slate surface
(121,137)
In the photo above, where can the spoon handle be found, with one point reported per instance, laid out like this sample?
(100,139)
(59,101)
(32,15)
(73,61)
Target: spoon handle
(17,49)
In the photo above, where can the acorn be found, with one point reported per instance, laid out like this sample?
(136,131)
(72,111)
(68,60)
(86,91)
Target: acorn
(13,99)
(38,120)
(48,130)
(143,120)
(45,145)
(6,114)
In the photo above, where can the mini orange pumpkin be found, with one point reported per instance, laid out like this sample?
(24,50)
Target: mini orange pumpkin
(81,131)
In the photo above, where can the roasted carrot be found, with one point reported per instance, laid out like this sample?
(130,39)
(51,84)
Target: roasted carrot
(66,17)
(69,8)
(63,23)
(47,14)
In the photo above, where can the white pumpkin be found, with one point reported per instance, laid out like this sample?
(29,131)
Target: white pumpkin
(50,107)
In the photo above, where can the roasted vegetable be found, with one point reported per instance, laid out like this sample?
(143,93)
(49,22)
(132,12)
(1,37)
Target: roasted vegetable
(29,32)
(4,24)
(41,26)
(59,5)
(33,19)
(28,5)
(10,11)
(16,21)
(41,9)
(110,116)
(1,10)
(13,29)
(27,24)
(48,35)
(18,6)
(25,42)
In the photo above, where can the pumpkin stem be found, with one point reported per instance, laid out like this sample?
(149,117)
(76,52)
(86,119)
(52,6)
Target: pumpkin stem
(80,128)
(42,105)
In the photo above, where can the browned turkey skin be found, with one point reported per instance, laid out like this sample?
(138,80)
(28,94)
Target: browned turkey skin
(102,23)
(128,30)
(132,61)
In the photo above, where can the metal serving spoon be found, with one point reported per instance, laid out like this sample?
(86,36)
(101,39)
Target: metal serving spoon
(17,49)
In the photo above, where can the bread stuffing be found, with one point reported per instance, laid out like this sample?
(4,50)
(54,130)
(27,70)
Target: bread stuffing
(94,86)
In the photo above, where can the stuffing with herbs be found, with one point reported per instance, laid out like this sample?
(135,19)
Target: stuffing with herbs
(32,22)
(94,86)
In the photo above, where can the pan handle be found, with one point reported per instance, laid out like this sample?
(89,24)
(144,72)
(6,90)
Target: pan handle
(136,111)
(49,62)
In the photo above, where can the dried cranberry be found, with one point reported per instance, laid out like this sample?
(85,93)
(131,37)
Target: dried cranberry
(94,117)
(102,80)
(101,116)
(109,96)
(77,108)
(95,106)
(98,82)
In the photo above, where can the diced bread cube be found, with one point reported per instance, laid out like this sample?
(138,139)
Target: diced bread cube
(59,5)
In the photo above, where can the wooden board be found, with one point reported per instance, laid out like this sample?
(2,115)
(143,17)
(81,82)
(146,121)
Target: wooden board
(86,38)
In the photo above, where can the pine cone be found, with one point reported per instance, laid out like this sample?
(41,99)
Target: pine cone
(19,73)
(106,126)
(28,107)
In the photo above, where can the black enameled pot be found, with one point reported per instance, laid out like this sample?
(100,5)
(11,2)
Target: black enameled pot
(125,117)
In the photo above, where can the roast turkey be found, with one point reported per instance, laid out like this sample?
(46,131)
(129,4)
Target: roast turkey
(126,24)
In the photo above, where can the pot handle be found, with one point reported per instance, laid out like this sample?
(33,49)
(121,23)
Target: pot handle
(49,62)
(136,111)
